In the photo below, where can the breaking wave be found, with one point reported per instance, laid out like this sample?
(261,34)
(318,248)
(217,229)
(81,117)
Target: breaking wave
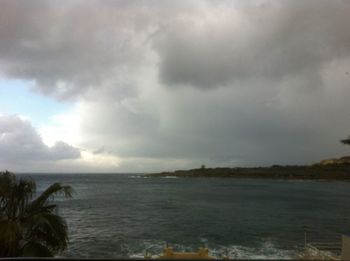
(266,250)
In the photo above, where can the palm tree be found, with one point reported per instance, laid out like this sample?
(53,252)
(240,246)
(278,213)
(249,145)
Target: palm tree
(30,227)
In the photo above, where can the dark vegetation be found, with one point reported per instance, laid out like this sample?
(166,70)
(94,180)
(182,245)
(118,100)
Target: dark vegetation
(29,223)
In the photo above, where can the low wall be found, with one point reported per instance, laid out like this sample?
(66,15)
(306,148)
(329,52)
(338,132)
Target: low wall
(345,253)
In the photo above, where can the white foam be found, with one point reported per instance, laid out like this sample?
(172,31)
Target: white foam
(266,250)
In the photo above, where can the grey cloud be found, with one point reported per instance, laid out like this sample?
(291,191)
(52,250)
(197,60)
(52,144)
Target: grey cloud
(223,127)
(99,151)
(62,150)
(263,40)
(67,48)
(20,143)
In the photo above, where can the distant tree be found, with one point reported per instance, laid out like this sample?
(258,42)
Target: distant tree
(346,141)
(203,167)
(30,227)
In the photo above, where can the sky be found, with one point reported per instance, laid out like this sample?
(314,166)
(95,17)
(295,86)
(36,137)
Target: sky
(159,85)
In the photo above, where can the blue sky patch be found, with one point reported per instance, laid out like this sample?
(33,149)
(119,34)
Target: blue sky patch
(16,98)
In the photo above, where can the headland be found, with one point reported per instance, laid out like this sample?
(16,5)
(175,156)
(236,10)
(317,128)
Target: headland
(333,169)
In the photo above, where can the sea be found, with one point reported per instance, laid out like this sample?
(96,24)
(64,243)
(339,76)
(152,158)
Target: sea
(130,215)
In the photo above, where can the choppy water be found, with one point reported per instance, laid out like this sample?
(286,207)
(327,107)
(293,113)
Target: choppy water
(125,215)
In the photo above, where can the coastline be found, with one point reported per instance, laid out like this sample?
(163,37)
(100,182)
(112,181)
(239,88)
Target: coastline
(313,172)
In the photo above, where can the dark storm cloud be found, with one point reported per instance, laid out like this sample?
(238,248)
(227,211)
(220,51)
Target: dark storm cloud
(20,143)
(222,128)
(68,47)
(263,40)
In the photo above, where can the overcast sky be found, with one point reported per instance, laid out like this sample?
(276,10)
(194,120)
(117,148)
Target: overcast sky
(142,86)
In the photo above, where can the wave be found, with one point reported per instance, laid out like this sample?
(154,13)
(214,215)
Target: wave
(138,177)
(266,250)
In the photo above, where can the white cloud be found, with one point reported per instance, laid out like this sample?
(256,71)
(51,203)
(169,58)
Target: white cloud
(64,127)
(21,144)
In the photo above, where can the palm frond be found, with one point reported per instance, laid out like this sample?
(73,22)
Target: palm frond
(35,249)
(10,234)
(50,228)
(54,189)
(30,227)
(7,183)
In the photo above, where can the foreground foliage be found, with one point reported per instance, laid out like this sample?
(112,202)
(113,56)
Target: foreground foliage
(30,227)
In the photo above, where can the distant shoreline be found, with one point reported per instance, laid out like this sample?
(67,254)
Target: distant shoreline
(313,172)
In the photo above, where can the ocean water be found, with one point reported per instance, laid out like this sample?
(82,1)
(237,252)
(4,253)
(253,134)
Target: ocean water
(126,215)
